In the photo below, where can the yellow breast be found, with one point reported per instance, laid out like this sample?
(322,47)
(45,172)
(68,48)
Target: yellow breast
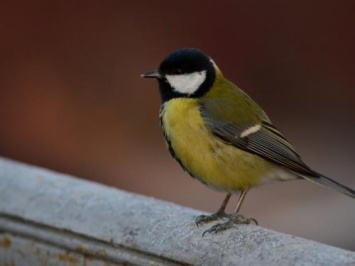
(218,164)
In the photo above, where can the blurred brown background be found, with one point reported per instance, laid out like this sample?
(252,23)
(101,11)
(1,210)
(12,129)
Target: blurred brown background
(72,100)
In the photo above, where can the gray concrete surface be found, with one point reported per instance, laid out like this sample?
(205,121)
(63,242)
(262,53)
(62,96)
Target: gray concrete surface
(48,218)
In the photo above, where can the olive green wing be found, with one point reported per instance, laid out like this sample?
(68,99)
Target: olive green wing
(261,139)
(236,119)
(266,141)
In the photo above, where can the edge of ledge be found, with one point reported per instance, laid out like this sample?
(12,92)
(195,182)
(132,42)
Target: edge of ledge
(117,226)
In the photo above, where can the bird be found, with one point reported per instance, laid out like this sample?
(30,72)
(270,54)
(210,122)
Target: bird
(221,137)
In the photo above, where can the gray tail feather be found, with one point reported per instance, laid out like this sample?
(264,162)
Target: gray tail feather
(325,181)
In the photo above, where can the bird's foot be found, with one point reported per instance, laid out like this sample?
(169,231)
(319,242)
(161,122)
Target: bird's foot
(202,219)
(234,218)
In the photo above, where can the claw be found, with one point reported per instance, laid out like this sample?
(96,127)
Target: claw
(202,219)
(234,218)
(217,228)
(254,221)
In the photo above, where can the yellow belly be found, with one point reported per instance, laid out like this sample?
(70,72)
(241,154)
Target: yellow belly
(215,163)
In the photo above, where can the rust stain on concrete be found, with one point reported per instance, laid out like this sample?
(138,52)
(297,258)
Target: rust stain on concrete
(5,243)
(67,258)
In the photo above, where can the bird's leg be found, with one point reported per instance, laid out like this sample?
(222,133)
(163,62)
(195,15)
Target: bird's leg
(234,218)
(201,219)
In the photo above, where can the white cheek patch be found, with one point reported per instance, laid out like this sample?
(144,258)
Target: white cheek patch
(187,83)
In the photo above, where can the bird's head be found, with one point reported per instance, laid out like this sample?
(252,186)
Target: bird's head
(186,72)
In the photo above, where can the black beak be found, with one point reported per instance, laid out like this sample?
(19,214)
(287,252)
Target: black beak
(155,74)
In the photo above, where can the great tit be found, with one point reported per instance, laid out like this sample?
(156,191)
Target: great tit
(220,136)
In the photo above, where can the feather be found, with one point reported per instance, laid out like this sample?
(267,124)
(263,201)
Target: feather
(264,140)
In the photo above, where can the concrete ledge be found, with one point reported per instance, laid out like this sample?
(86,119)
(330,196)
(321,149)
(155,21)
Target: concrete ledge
(48,218)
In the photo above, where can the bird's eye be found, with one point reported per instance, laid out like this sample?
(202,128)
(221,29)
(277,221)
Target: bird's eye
(177,71)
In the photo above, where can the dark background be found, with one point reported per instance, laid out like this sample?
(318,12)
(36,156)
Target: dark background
(72,100)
